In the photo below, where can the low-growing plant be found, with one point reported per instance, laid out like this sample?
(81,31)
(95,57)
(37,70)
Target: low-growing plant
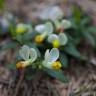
(47,46)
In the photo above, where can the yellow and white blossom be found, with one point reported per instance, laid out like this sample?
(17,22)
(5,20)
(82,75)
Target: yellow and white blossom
(43,31)
(29,55)
(58,40)
(22,28)
(55,14)
(52,13)
(50,59)
(63,24)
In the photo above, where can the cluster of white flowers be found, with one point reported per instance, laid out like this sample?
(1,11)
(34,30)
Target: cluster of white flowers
(55,14)
(29,56)
(49,31)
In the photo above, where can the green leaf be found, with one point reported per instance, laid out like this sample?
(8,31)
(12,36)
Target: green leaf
(73,23)
(85,21)
(64,60)
(89,38)
(76,13)
(8,45)
(30,73)
(75,39)
(92,29)
(28,36)
(11,66)
(71,50)
(2,3)
(19,38)
(56,74)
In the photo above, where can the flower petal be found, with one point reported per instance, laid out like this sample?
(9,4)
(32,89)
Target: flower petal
(40,28)
(52,13)
(55,13)
(47,65)
(63,39)
(52,37)
(47,54)
(65,24)
(24,52)
(54,55)
(49,27)
(33,54)
(4,22)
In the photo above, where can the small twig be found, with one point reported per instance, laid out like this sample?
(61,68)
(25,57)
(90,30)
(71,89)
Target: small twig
(24,85)
(2,81)
(19,82)
(52,89)
(9,86)
(29,92)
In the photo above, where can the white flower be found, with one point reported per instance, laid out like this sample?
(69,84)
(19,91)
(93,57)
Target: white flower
(21,28)
(64,24)
(51,58)
(58,40)
(43,30)
(29,55)
(52,13)
(40,28)
(4,24)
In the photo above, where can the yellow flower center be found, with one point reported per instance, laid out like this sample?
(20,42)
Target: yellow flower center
(20,30)
(56,43)
(56,65)
(22,64)
(39,39)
